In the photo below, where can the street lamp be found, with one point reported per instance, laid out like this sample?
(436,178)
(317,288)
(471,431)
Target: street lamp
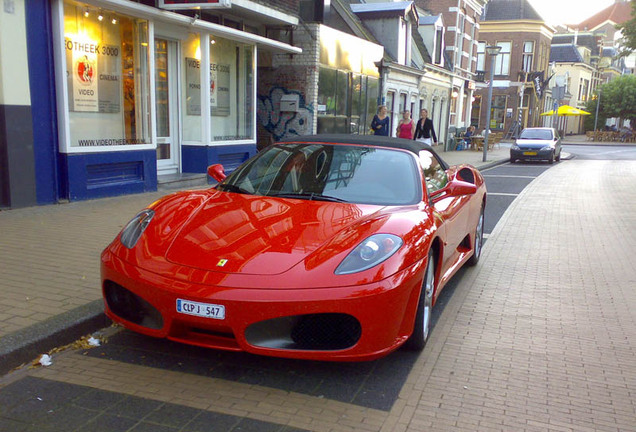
(492,52)
(598,102)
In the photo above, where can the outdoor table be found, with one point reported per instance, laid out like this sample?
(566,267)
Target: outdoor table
(476,141)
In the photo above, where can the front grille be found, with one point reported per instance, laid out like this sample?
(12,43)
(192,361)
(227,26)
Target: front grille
(326,331)
(316,332)
(131,307)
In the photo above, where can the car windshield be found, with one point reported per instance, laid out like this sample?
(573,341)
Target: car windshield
(341,173)
(537,134)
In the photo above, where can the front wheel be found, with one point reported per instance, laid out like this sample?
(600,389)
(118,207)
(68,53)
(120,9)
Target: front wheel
(422,327)
(479,240)
(551,160)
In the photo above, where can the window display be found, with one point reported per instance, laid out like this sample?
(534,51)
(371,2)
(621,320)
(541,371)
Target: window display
(498,114)
(191,111)
(232,89)
(107,76)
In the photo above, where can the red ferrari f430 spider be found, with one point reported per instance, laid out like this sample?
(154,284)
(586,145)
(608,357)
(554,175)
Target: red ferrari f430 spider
(321,247)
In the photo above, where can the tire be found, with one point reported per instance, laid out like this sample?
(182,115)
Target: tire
(558,157)
(551,160)
(479,240)
(422,327)
(512,160)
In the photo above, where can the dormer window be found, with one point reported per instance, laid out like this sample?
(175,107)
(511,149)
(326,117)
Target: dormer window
(439,46)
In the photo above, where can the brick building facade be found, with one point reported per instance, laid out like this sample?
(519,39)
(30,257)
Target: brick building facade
(521,67)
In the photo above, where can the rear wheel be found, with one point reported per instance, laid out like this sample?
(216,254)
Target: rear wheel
(479,240)
(422,327)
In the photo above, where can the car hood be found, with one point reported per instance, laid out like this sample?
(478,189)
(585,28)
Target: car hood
(236,233)
(534,144)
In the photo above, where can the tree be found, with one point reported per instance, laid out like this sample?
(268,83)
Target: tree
(618,98)
(590,120)
(628,29)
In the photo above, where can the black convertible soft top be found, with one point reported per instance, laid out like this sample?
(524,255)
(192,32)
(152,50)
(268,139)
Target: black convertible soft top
(369,140)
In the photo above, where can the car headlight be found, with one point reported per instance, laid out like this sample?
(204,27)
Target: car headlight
(135,228)
(371,252)
(515,147)
(546,148)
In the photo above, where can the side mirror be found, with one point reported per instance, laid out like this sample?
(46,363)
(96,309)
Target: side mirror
(217,172)
(454,188)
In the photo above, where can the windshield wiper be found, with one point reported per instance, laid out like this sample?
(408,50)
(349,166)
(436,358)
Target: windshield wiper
(232,188)
(311,196)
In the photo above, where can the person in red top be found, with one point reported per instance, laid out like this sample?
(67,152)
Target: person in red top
(406,126)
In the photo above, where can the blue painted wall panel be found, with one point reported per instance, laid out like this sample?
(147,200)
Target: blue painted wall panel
(43,107)
(98,175)
(196,159)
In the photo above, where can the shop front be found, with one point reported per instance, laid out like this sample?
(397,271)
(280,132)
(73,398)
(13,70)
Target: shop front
(143,93)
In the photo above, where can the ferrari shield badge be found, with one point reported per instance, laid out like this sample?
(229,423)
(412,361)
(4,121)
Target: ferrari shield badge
(221,263)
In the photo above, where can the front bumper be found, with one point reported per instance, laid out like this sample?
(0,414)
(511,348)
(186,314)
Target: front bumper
(354,323)
(531,154)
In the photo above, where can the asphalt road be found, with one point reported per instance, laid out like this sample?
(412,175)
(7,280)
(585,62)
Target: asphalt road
(504,184)
(602,152)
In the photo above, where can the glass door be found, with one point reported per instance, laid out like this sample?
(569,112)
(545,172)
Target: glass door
(166,106)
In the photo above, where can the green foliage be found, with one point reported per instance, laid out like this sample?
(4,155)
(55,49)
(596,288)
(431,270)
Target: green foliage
(588,122)
(618,97)
(628,30)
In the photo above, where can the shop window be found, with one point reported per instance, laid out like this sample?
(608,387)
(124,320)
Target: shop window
(231,90)
(191,89)
(498,112)
(342,99)
(358,111)
(373,93)
(346,101)
(107,78)
(327,91)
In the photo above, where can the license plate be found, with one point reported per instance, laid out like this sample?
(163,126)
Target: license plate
(206,310)
(529,153)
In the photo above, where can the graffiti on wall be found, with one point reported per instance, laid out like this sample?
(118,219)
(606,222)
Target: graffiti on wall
(284,124)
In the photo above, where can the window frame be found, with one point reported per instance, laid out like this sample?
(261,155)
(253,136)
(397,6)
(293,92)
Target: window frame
(502,60)
(527,57)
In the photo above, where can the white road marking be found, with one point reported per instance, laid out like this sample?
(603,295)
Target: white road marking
(508,176)
(501,194)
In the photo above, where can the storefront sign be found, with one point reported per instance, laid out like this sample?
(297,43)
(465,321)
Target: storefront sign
(194,4)
(193,86)
(219,89)
(83,74)
(94,82)
(109,79)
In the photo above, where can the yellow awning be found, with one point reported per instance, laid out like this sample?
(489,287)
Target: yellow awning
(566,110)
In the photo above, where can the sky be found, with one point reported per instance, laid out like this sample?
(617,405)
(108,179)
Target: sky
(568,11)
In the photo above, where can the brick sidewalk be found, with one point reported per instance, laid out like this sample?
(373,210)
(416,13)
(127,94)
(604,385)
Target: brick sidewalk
(49,271)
